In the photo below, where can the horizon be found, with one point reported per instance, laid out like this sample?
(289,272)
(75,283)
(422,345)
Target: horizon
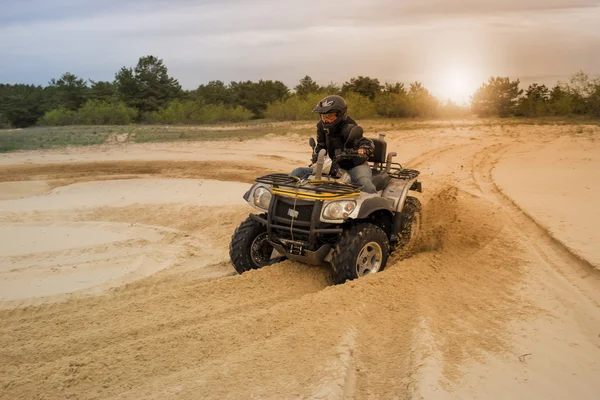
(452,47)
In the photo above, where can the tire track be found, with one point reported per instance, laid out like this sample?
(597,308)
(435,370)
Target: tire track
(578,271)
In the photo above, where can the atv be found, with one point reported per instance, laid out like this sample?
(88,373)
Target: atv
(326,220)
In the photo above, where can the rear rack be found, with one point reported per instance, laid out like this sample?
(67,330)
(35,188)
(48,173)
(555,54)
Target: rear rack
(399,172)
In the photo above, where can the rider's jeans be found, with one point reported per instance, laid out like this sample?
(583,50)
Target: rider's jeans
(360,174)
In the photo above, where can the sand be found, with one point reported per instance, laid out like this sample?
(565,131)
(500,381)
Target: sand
(557,184)
(116,283)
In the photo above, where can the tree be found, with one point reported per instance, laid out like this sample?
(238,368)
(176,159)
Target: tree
(497,97)
(22,105)
(584,92)
(214,92)
(148,87)
(307,86)
(393,101)
(102,91)
(392,105)
(397,88)
(363,85)
(331,89)
(422,103)
(69,91)
(535,102)
(255,96)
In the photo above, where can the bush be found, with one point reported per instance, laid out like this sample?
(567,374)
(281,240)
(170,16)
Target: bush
(392,105)
(294,108)
(196,112)
(4,122)
(59,117)
(360,107)
(96,112)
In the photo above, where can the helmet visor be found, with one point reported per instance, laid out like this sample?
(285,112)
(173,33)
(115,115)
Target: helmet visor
(329,118)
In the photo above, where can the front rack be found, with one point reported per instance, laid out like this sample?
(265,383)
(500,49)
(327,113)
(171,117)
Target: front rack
(321,189)
(278,180)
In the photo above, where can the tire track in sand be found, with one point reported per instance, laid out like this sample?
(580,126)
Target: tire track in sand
(578,271)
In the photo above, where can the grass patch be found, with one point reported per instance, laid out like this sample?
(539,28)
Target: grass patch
(52,137)
(201,133)
(47,138)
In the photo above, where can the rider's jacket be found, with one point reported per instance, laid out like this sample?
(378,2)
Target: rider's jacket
(335,139)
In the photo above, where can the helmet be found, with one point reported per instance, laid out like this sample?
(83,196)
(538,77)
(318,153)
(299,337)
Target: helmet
(333,110)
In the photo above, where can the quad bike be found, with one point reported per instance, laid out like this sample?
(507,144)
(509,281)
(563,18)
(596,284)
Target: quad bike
(326,220)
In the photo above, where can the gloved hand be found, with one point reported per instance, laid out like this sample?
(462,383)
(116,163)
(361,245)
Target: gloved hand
(363,152)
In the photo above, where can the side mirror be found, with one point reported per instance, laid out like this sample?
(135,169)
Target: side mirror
(312,143)
(355,133)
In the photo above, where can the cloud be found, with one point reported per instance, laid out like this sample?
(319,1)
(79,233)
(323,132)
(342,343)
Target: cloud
(334,40)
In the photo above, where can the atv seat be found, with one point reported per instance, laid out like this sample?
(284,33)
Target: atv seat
(381,179)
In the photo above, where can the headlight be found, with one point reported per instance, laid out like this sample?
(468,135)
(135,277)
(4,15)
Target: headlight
(262,198)
(339,209)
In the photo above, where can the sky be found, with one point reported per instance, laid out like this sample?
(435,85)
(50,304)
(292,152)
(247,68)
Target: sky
(451,46)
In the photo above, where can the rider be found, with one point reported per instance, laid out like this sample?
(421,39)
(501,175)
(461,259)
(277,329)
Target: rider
(332,133)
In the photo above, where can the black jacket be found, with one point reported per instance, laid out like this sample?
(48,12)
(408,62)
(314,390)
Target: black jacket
(336,140)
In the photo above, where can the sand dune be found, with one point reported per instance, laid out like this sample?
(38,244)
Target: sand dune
(118,284)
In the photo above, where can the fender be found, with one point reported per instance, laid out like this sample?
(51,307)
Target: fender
(373,204)
(398,190)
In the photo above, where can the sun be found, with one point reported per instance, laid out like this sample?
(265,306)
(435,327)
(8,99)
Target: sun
(456,84)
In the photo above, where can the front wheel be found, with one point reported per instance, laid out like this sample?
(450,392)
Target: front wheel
(250,248)
(362,250)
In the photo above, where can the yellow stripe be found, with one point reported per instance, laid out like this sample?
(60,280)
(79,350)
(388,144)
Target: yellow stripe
(312,196)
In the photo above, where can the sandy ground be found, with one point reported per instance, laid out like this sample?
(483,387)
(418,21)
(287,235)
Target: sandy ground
(115,281)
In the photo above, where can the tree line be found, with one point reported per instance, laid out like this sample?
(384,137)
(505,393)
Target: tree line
(147,94)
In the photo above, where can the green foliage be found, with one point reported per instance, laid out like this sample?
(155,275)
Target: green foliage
(59,117)
(536,101)
(22,105)
(148,87)
(360,107)
(362,85)
(294,108)
(69,91)
(4,122)
(148,93)
(393,105)
(196,112)
(93,112)
(214,92)
(422,103)
(44,138)
(102,91)
(255,96)
(307,86)
(397,88)
(498,97)
(96,112)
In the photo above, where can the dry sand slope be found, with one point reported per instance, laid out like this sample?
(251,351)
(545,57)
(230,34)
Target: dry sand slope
(115,280)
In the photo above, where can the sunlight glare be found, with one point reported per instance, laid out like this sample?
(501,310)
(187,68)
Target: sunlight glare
(457,84)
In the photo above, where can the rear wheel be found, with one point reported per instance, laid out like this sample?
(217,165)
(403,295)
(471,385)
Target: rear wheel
(250,248)
(412,223)
(362,250)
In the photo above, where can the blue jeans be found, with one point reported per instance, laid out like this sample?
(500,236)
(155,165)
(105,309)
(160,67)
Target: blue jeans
(360,174)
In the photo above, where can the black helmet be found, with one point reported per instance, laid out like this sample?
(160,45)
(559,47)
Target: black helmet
(332,104)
